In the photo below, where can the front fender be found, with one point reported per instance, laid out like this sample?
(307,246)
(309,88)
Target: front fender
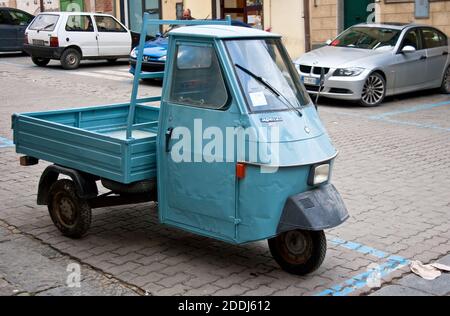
(318,209)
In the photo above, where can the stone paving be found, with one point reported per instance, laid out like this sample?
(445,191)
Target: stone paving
(393,172)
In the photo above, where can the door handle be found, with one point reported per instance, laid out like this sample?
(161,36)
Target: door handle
(445,53)
(423,57)
(168,138)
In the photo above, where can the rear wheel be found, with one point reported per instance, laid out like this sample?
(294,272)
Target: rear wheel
(299,251)
(374,90)
(445,87)
(70,213)
(70,59)
(41,62)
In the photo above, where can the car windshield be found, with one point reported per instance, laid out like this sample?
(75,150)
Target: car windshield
(367,38)
(266,75)
(44,22)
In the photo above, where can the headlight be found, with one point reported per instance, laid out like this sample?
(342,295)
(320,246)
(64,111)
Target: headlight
(162,58)
(348,72)
(319,174)
(133,53)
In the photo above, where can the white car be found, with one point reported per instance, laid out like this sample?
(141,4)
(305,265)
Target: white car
(73,36)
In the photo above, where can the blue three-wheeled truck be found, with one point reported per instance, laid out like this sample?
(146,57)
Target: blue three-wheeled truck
(234,150)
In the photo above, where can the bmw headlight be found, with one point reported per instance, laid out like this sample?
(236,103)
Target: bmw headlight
(319,174)
(133,53)
(348,72)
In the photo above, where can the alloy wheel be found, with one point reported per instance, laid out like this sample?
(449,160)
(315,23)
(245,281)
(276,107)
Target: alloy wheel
(373,90)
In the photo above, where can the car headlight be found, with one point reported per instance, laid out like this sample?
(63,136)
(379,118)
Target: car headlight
(163,58)
(348,72)
(133,53)
(319,174)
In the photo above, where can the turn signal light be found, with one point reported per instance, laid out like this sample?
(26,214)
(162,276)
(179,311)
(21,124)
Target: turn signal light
(240,171)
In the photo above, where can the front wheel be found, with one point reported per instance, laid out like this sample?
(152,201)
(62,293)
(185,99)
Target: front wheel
(41,62)
(374,90)
(445,87)
(70,213)
(299,251)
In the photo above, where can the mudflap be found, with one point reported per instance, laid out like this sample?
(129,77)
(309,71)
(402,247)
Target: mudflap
(315,210)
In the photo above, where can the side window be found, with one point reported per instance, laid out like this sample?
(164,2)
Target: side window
(197,78)
(79,23)
(108,24)
(412,39)
(5,18)
(19,18)
(432,39)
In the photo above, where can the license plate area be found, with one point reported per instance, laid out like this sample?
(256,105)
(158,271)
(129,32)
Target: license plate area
(38,42)
(311,81)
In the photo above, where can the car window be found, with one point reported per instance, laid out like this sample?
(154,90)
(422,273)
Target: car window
(44,22)
(433,38)
(20,18)
(79,23)
(108,24)
(5,18)
(197,78)
(412,39)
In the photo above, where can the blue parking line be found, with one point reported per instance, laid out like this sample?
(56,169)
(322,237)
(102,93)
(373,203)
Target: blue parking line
(417,108)
(359,281)
(4,143)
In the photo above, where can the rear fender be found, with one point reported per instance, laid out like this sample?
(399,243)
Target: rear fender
(85,183)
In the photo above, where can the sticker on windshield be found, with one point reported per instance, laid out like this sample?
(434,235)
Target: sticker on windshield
(258,99)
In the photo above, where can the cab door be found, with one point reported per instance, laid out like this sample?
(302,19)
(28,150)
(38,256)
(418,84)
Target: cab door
(196,184)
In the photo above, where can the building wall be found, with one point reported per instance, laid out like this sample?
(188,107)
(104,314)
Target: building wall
(404,12)
(285,17)
(201,9)
(324,20)
(33,7)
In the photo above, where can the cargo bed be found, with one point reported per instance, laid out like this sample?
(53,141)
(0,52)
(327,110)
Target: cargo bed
(92,140)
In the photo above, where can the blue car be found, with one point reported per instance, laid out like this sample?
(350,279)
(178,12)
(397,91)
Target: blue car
(155,52)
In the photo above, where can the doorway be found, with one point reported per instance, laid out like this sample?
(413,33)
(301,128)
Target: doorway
(247,11)
(358,11)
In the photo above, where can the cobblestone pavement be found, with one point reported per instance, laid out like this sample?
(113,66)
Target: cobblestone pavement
(393,172)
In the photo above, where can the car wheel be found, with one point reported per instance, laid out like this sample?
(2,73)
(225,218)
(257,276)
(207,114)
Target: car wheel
(299,251)
(374,90)
(445,87)
(41,62)
(70,59)
(70,213)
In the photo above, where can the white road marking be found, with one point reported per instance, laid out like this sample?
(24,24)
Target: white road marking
(98,75)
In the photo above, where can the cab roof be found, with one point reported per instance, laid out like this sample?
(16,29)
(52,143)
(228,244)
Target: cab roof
(221,31)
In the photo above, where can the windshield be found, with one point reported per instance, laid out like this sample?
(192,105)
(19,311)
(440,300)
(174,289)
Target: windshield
(266,75)
(44,22)
(367,38)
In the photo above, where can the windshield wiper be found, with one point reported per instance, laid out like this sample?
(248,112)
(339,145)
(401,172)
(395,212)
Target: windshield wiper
(47,26)
(271,88)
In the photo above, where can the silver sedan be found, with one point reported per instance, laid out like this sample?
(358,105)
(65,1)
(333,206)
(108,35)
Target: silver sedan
(367,62)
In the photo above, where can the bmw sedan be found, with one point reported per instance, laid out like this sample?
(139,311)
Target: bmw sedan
(368,62)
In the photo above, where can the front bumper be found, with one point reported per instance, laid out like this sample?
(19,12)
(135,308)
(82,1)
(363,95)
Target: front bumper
(43,51)
(315,210)
(343,88)
(147,66)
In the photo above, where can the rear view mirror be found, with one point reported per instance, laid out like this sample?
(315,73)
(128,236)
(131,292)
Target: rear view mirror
(408,49)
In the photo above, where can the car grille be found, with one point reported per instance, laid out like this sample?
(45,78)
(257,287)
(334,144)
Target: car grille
(315,70)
